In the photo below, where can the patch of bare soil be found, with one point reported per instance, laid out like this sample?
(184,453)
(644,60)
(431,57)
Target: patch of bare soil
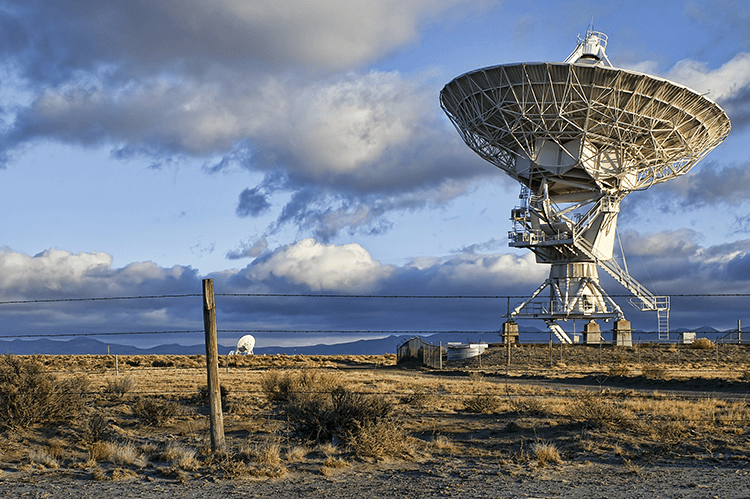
(468,431)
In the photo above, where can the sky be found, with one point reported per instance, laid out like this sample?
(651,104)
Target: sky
(298,147)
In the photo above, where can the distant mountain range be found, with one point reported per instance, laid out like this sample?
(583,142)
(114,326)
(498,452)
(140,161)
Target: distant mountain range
(90,346)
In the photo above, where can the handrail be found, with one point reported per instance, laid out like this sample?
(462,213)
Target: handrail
(612,268)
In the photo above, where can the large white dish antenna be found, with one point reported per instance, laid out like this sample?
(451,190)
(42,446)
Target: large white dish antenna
(579,136)
(245,345)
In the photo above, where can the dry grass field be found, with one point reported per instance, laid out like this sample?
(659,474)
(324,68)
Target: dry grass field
(288,417)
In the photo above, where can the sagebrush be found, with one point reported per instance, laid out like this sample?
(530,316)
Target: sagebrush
(29,395)
(319,409)
(155,411)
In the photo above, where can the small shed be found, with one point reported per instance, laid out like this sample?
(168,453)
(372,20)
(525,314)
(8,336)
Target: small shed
(417,349)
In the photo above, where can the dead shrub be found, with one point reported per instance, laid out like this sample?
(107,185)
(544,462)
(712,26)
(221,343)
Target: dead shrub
(420,399)
(95,428)
(595,410)
(29,396)
(483,404)
(545,452)
(266,451)
(179,455)
(443,444)
(296,453)
(154,411)
(655,372)
(702,344)
(319,409)
(619,370)
(202,397)
(119,387)
(632,467)
(121,453)
(278,385)
(529,405)
(43,457)
(331,464)
(384,438)
(338,413)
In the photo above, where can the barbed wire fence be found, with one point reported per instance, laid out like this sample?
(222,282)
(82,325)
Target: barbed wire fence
(612,361)
(558,356)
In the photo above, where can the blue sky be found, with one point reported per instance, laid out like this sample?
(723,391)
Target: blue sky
(300,147)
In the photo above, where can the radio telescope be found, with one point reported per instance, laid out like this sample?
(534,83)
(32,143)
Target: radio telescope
(579,136)
(245,345)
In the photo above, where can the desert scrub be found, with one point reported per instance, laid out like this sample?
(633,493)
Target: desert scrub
(179,455)
(319,409)
(279,385)
(620,369)
(154,411)
(119,387)
(529,405)
(545,452)
(202,398)
(702,344)
(29,396)
(655,372)
(95,428)
(420,399)
(594,409)
(122,453)
(483,404)
(382,439)
(335,414)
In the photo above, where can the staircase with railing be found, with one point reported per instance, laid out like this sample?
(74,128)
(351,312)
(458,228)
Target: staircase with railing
(558,331)
(646,300)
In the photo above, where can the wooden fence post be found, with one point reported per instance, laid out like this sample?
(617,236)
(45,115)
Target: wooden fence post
(212,365)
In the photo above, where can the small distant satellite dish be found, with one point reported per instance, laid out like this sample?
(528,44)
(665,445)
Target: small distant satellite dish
(245,345)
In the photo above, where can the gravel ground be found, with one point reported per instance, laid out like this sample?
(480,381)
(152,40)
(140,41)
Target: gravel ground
(470,479)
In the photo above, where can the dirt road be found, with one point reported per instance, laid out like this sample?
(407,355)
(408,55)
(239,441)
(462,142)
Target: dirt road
(460,478)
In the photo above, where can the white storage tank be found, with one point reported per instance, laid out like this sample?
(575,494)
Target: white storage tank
(461,351)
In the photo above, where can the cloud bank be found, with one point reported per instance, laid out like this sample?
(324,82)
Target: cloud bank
(667,263)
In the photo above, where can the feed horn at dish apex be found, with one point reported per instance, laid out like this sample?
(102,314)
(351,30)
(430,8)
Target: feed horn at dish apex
(579,136)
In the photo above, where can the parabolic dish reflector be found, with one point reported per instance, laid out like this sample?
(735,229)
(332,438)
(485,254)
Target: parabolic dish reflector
(246,344)
(583,127)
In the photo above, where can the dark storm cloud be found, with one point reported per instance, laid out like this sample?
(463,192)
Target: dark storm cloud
(737,107)
(674,262)
(163,81)
(53,40)
(710,185)
(252,203)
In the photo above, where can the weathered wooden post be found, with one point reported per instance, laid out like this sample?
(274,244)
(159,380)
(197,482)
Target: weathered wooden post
(212,365)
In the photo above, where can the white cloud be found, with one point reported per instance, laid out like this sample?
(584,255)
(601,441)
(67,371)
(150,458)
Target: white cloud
(51,270)
(86,275)
(723,83)
(322,267)
(483,273)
